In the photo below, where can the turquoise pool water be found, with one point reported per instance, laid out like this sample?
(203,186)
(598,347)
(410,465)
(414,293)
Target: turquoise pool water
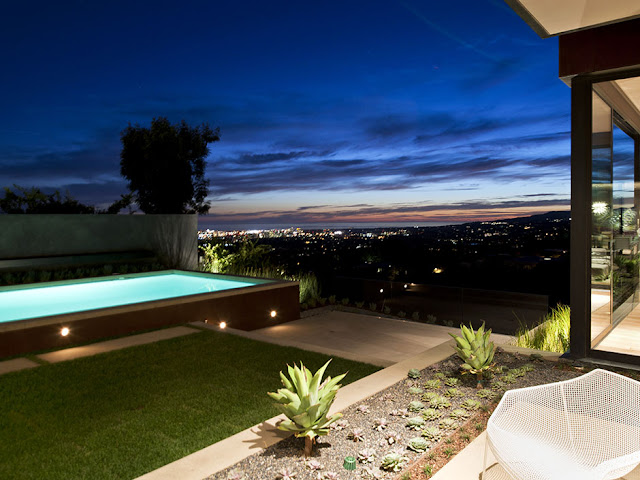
(41,301)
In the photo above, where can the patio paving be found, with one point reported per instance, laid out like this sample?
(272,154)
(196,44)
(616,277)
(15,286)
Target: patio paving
(372,339)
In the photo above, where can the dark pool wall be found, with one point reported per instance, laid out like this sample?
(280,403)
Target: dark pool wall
(173,238)
(245,308)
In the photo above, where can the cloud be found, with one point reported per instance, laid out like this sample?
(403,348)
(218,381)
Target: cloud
(411,213)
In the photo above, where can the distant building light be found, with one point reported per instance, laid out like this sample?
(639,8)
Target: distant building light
(406,286)
(382,290)
(64,331)
(437,270)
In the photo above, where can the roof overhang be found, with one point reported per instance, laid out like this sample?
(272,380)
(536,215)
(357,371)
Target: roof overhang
(555,17)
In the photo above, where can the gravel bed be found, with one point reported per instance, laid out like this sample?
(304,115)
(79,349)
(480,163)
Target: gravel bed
(330,451)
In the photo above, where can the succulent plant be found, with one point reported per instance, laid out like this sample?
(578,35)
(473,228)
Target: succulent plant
(380,424)
(415,390)
(413,373)
(368,472)
(415,406)
(475,349)
(340,425)
(432,433)
(285,474)
(459,413)
(393,461)
(427,396)
(432,384)
(498,385)
(439,402)
(313,465)
(305,401)
(431,414)
(366,455)
(401,412)
(357,435)
(328,476)
(536,357)
(448,424)
(362,408)
(527,367)
(484,393)
(517,372)
(235,474)
(451,382)
(439,376)
(508,378)
(418,444)
(415,423)
(452,392)
(471,404)
(391,438)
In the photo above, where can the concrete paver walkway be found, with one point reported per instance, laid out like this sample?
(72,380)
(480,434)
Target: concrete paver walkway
(365,338)
(16,364)
(117,344)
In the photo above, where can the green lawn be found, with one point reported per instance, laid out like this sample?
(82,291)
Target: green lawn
(121,414)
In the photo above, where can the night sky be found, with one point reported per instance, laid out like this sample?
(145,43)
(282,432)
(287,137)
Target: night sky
(331,113)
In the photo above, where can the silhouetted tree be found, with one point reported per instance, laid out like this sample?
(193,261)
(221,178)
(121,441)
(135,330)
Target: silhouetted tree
(35,200)
(165,165)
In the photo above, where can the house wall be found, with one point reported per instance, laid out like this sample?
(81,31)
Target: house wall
(173,238)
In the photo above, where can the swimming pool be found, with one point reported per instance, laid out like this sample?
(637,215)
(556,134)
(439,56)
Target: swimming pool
(34,316)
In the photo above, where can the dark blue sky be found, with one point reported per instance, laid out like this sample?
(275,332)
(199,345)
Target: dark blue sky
(336,112)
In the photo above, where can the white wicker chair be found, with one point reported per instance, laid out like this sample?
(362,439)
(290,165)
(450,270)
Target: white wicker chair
(586,428)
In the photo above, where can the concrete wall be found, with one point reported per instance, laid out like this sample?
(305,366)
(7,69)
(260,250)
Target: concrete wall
(173,238)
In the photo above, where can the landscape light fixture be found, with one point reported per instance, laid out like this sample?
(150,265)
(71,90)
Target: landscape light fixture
(64,331)
(382,290)
(223,325)
(273,314)
(599,208)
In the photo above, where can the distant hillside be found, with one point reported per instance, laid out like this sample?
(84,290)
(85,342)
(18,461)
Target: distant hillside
(540,218)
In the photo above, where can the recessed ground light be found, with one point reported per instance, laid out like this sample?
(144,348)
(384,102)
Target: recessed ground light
(64,331)
(223,325)
(273,314)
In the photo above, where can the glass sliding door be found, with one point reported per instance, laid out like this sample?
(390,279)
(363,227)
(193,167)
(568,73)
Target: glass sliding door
(615,196)
(601,213)
(624,280)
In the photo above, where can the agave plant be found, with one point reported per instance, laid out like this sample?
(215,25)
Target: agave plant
(475,350)
(305,401)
